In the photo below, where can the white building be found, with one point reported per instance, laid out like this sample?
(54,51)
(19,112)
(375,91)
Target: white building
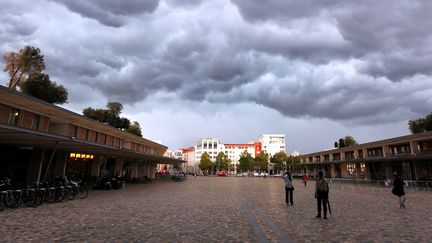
(209,145)
(272,143)
(234,151)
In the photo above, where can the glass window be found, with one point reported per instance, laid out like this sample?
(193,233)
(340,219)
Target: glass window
(36,122)
(14,117)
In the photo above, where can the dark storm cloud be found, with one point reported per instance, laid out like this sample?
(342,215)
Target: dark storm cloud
(354,61)
(110,12)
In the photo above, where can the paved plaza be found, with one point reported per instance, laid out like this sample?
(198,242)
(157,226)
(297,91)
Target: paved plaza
(223,209)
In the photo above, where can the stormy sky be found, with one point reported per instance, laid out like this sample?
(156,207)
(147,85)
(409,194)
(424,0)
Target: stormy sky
(312,70)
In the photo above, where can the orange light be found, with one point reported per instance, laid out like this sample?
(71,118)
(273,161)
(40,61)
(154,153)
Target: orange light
(91,156)
(78,155)
(72,155)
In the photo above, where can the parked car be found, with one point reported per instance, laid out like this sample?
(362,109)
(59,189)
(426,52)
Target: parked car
(221,173)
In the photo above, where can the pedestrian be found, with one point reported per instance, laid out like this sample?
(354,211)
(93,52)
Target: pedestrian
(398,190)
(321,194)
(305,178)
(289,188)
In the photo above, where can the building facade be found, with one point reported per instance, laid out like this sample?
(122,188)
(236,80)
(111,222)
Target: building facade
(39,141)
(409,156)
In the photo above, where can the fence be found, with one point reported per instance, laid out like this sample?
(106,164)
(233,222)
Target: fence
(409,184)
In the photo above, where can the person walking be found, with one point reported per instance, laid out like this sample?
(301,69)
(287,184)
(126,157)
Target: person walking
(398,190)
(305,178)
(289,188)
(321,194)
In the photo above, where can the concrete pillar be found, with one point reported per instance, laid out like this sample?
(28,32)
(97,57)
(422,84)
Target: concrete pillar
(35,167)
(152,170)
(365,153)
(414,147)
(356,154)
(386,150)
(118,166)
(332,171)
(134,169)
(342,155)
(96,164)
(60,163)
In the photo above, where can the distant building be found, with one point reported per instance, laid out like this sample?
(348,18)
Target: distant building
(209,145)
(272,143)
(188,155)
(234,151)
(409,156)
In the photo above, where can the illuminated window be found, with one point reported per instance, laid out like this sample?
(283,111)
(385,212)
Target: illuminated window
(14,117)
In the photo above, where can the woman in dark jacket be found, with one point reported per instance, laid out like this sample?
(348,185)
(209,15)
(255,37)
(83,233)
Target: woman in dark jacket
(398,190)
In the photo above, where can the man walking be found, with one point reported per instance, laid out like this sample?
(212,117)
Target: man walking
(321,194)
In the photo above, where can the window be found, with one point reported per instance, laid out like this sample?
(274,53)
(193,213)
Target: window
(96,137)
(36,122)
(14,117)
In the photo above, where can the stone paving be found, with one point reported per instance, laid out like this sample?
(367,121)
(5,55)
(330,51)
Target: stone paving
(223,209)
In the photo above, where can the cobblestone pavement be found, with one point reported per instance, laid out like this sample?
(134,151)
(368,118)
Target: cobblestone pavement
(223,209)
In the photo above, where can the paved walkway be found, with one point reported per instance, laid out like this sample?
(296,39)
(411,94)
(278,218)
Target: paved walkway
(223,209)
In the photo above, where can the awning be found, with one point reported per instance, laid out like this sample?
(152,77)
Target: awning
(21,137)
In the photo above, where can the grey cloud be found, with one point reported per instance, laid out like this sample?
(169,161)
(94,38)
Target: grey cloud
(184,3)
(110,12)
(385,29)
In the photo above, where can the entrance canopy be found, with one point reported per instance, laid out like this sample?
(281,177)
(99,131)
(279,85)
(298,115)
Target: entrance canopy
(27,138)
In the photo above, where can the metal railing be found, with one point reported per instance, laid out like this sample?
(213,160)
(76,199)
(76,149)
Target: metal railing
(409,184)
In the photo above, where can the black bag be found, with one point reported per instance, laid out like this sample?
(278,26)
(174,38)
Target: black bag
(394,191)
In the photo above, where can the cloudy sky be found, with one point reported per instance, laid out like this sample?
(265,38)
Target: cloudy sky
(312,70)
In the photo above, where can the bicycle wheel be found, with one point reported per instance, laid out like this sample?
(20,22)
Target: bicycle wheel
(2,199)
(13,199)
(82,192)
(71,193)
(59,194)
(50,195)
(29,198)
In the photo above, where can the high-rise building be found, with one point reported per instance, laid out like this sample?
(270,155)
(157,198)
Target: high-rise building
(272,143)
(209,145)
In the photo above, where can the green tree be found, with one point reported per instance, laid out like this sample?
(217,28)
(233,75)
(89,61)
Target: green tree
(262,162)
(135,128)
(279,160)
(111,116)
(20,66)
(222,161)
(421,125)
(40,86)
(205,163)
(349,141)
(246,162)
(346,141)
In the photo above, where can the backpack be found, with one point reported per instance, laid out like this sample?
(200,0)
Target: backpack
(323,185)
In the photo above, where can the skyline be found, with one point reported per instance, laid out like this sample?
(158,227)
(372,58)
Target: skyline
(236,69)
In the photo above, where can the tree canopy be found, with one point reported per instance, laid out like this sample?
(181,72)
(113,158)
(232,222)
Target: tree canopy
(205,163)
(421,125)
(246,162)
(135,128)
(222,161)
(262,162)
(25,71)
(279,159)
(40,86)
(347,141)
(20,66)
(111,116)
